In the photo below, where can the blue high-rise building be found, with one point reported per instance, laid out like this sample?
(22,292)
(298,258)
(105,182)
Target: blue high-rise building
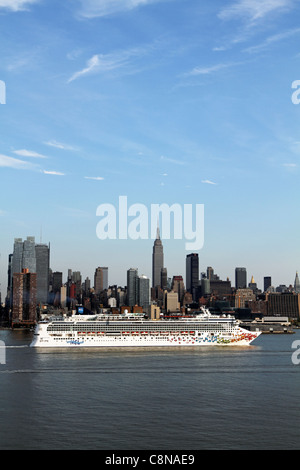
(132,287)
(144,291)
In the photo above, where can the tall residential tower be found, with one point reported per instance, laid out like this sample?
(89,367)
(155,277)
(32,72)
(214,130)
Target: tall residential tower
(34,258)
(42,253)
(192,274)
(132,287)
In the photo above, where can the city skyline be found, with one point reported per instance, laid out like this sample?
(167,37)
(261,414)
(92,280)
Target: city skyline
(161,101)
(34,256)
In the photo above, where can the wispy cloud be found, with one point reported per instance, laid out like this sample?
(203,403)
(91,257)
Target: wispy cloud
(207,70)
(19,63)
(220,48)
(253,14)
(290,165)
(273,39)
(60,145)
(28,153)
(97,8)
(101,63)
(10,162)
(92,65)
(254,10)
(212,69)
(97,178)
(172,160)
(16,5)
(208,182)
(55,173)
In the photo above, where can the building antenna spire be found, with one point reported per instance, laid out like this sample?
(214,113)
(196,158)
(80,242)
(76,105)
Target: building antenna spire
(157,230)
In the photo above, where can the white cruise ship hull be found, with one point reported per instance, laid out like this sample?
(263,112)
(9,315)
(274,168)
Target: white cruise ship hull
(141,342)
(75,332)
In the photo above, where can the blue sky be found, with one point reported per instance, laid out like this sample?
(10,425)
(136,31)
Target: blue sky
(164,101)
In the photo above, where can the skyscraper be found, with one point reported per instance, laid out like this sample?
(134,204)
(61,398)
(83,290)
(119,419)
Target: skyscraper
(24,297)
(42,253)
(105,277)
(252,285)
(9,280)
(209,273)
(98,281)
(29,255)
(87,285)
(164,278)
(143,291)
(77,280)
(240,278)
(57,282)
(178,286)
(192,273)
(267,283)
(17,258)
(297,284)
(34,258)
(205,285)
(132,287)
(157,260)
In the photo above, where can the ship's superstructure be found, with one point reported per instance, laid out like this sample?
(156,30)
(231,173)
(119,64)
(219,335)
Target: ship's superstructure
(131,330)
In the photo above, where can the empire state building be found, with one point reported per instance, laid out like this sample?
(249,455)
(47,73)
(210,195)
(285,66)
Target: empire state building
(157,260)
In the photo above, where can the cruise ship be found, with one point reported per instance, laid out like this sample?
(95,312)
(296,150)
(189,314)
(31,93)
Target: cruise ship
(133,330)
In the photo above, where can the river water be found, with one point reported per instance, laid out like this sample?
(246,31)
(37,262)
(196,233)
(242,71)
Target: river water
(143,399)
